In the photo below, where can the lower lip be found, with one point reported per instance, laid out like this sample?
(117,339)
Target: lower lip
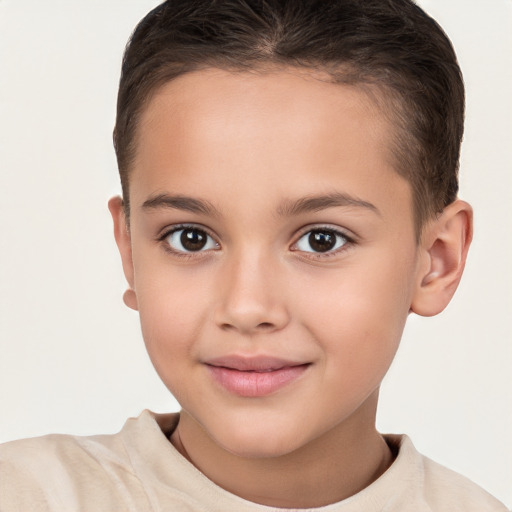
(256,384)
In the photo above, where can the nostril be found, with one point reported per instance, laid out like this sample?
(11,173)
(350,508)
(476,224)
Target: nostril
(263,326)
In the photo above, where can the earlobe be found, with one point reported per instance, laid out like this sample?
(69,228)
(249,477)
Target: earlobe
(130,299)
(444,247)
(123,241)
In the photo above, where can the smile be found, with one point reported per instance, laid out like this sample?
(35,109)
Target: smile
(254,377)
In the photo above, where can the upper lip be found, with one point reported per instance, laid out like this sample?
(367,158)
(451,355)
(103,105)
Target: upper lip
(252,363)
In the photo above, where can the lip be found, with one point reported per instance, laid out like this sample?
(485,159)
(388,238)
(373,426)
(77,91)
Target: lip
(254,376)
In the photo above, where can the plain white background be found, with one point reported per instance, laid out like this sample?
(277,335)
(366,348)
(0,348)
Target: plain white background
(72,358)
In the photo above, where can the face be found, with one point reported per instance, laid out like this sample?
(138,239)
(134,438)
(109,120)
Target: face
(272,255)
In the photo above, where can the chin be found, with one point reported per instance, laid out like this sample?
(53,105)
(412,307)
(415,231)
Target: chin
(258,448)
(258,439)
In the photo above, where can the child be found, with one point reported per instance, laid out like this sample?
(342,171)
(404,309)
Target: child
(289,196)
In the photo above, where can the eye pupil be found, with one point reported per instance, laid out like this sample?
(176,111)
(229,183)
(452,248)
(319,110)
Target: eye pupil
(322,241)
(193,239)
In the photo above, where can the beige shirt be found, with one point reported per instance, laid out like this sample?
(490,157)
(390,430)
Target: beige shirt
(139,470)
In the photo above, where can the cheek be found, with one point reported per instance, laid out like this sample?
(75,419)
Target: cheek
(358,312)
(168,323)
(171,309)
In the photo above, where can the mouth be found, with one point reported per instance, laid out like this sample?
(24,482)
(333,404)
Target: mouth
(254,376)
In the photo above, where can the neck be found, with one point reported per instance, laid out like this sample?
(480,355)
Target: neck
(331,468)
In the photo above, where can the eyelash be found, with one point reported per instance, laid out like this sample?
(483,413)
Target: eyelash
(349,241)
(182,254)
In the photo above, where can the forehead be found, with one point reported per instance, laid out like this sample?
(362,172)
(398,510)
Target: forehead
(280,131)
(213,103)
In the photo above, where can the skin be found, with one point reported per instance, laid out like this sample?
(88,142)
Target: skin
(248,148)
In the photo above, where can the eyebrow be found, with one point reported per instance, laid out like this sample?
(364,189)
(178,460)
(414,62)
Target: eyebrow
(287,209)
(317,203)
(179,202)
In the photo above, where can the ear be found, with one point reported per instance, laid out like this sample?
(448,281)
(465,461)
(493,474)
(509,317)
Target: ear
(122,236)
(444,247)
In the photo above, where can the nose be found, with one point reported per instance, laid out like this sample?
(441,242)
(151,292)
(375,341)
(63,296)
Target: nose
(251,299)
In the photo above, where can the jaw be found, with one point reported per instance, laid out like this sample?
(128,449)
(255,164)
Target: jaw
(351,454)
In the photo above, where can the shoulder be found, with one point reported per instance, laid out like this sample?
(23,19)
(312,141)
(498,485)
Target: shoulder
(453,490)
(64,472)
(442,489)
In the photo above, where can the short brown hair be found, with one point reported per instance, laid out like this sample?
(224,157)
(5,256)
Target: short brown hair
(391,45)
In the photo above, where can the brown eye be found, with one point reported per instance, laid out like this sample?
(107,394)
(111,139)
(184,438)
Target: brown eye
(193,239)
(190,239)
(321,240)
